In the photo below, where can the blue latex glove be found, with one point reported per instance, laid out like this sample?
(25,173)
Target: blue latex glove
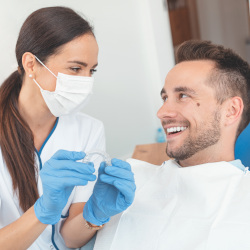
(113,192)
(59,175)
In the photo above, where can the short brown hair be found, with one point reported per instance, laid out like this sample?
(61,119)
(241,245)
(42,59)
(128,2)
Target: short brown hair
(231,76)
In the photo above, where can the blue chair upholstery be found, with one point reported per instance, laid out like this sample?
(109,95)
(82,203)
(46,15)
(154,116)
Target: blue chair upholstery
(242,147)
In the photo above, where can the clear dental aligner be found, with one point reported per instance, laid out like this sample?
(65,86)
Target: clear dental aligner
(103,154)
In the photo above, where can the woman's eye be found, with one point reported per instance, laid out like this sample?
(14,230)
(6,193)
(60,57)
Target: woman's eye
(92,71)
(75,69)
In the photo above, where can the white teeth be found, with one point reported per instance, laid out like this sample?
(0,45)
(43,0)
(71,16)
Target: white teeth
(175,129)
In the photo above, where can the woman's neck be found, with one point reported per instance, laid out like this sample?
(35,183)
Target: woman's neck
(36,114)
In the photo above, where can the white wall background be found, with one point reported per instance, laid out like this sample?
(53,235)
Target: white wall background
(135,55)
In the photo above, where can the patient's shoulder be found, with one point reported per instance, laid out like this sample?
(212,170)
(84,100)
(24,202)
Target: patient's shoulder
(143,170)
(138,165)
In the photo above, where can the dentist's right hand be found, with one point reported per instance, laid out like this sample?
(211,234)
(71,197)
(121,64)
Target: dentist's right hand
(59,175)
(113,193)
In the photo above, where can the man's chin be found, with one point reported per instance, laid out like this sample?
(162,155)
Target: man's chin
(178,154)
(173,152)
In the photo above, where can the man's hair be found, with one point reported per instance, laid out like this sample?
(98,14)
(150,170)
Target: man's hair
(231,76)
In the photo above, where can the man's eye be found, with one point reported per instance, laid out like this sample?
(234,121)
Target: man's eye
(92,71)
(183,95)
(164,98)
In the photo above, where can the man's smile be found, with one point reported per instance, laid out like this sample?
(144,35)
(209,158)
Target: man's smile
(174,131)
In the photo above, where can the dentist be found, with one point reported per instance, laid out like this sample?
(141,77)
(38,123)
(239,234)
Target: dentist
(44,186)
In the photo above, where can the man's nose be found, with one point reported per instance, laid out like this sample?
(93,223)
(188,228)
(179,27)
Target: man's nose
(167,110)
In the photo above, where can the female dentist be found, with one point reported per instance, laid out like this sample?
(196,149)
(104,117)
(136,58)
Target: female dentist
(47,195)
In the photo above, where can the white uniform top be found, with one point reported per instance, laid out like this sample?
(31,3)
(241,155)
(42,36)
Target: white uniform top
(78,132)
(204,207)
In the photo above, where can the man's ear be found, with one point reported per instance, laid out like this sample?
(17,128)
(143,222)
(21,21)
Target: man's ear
(29,61)
(234,109)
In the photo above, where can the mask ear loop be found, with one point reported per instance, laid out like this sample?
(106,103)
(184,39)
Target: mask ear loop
(45,66)
(104,155)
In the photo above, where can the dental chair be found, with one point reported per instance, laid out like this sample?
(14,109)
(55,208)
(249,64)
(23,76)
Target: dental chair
(242,147)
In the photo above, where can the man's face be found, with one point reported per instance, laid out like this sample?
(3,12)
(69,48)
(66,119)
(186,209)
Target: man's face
(190,114)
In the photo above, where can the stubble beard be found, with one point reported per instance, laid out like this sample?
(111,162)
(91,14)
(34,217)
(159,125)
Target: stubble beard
(204,138)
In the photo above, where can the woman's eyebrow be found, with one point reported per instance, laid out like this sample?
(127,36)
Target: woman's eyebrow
(82,63)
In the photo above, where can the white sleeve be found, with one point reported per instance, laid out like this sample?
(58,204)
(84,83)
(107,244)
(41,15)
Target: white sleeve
(96,142)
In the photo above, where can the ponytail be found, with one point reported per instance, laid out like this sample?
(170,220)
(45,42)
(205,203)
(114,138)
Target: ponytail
(17,143)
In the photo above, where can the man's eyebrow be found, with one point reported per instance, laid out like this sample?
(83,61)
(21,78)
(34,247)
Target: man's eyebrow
(82,63)
(185,89)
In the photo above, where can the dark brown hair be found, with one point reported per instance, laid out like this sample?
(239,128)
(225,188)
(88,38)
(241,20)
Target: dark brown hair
(231,76)
(43,33)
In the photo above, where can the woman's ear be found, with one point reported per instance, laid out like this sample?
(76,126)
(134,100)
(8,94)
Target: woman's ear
(234,110)
(29,61)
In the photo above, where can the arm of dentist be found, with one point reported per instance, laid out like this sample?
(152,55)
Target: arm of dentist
(59,176)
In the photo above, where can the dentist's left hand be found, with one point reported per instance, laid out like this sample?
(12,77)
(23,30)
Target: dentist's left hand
(59,175)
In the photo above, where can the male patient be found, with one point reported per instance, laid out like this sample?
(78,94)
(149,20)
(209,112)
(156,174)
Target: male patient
(201,198)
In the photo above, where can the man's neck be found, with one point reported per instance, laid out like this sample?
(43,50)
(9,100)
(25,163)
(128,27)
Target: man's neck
(208,155)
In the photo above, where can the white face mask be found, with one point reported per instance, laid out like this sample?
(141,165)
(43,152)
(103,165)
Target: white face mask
(71,93)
